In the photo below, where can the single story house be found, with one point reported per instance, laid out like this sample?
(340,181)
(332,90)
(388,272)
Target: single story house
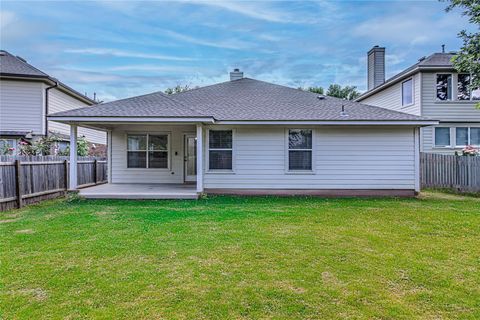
(246,136)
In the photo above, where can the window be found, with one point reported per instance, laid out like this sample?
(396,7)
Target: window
(444,87)
(147,151)
(467,136)
(442,137)
(300,149)
(461,135)
(463,90)
(220,149)
(8,146)
(407,92)
(475,137)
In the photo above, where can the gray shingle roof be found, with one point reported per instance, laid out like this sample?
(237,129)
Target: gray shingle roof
(240,100)
(249,99)
(155,104)
(10,64)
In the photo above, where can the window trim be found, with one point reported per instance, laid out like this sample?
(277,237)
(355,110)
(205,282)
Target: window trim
(287,154)
(207,153)
(413,93)
(434,133)
(153,133)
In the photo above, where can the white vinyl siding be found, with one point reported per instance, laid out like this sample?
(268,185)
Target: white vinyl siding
(60,101)
(391,97)
(344,158)
(445,111)
(121,174)
(21,106)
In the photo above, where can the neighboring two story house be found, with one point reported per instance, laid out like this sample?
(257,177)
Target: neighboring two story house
(431,88)
(27,95)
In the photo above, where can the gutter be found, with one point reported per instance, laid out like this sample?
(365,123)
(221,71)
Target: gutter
(46,105)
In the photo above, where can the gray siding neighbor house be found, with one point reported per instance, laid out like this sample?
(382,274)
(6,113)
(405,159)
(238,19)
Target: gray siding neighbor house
(246,136)
(431,88)
(27,95)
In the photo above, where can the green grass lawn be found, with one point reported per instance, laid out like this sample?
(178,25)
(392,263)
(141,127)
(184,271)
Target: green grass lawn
(228,257)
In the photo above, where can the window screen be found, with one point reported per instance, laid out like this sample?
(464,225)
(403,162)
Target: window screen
(299,149)
(442,137)
(220,145)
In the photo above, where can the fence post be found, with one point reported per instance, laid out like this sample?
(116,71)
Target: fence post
(95,171)
(65,174)
(19,183)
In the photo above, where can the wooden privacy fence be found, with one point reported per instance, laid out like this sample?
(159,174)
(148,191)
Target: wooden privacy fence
(28,179)
(461,173)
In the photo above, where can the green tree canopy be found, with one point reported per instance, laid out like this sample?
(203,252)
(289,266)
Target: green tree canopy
(468,58)
(177,89)
(347,92)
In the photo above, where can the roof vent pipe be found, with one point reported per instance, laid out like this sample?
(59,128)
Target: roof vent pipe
(343,113)
(236,74)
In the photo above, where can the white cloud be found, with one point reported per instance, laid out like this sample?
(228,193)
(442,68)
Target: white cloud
(410,27)
(126,54)
(249,9)
(7,18)
(225,44)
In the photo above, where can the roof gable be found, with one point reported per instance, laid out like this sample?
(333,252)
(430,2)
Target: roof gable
(15,67)
(10,64)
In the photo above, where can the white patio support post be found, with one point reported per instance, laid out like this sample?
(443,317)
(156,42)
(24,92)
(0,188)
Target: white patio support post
(73,158)
(199,158)
(416,137)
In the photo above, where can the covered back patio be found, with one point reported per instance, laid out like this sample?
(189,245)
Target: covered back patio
(159,160)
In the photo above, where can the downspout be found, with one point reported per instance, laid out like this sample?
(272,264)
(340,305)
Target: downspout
(46,105)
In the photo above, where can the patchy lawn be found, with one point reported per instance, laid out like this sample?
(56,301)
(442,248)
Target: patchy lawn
(228,257)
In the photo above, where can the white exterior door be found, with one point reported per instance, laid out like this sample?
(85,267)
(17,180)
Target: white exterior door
(190,154)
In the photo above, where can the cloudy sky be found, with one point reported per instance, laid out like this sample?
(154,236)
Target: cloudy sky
(125,48)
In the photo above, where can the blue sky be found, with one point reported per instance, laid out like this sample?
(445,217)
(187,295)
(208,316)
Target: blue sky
(125,48)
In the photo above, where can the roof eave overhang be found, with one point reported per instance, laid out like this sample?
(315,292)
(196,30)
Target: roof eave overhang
(390,83)
(68,119)
(333,122)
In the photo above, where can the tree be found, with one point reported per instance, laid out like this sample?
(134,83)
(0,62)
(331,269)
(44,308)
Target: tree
(347,92)
(318,90)
(177,89)
(468,58)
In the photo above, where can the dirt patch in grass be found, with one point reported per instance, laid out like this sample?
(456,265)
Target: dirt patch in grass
(25,231)
(9,220)
(36,294)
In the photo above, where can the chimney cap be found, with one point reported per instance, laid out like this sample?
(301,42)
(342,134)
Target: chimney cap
(236,74)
